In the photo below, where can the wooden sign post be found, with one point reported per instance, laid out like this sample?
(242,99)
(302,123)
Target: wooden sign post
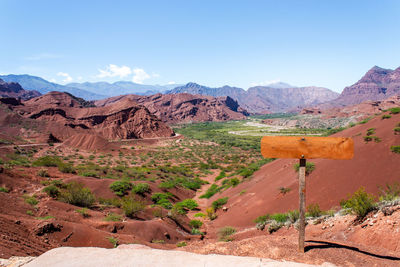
(304,148)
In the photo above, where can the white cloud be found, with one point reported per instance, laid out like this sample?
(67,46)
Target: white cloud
(80,78)
(264,83)
(42,56)
(53,80)
(114,71)
(67,77)
(171,82)
(140,75)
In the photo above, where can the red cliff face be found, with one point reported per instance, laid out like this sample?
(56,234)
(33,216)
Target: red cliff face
(115,121)
(184,107)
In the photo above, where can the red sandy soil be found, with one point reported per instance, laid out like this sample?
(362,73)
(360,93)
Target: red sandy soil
(89,142)
(373,165)
(337,240)
(19,231)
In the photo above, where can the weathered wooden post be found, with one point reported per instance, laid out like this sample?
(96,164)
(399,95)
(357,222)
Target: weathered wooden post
(304,148)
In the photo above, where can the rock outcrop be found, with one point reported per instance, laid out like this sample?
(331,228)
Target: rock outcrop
(116,121)
(184,107)
(15,90)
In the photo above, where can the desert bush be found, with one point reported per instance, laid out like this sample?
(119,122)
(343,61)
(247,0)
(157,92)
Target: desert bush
(279,217)
(83,212)
(141,189)
(395,149)
(48,217)
(76,194)
(90,173)
(262,219)
(370,131)
(66,168)
(181,244)
(120,188)
(116,202)
(219,203)
(386,116)
(225,233)
(4,189)
(390,192)
(211,213)
(31,200)
(212,190)
(52,191)
(395,110)
(195,224)
(47,161)
(284,190)
(293,215)
(114,241)
(113,217)
(274,226)
(360,203)
(162,199)
(43,173)
(310,167)
(183,206)
(132,206)
(396,130)
(367,138)
(221,175)
(200,214)
(313,210)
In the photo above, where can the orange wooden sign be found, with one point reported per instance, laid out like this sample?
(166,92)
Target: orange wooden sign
(307,147)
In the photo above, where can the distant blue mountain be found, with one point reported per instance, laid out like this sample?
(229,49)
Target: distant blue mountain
(29,82)
(121,88)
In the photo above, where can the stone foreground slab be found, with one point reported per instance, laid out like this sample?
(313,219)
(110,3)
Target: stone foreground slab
(139,255)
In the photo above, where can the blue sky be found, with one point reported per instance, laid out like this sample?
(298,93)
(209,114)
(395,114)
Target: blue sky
(239,43)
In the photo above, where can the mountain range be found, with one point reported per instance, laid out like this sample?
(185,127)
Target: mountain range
(264,99)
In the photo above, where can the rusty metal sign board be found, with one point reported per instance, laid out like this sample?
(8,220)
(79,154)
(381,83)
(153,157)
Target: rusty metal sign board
(307,147)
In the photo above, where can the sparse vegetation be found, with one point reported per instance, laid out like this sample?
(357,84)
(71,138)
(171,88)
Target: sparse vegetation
(43,173)
(195,224)
(395,110)
(141,188)
(114,241)
(225,233)
(310,167)
(386,116)
(132,206)
(31,200)
(360,203)
(84,212)
(284,190)
(389,192)
(113,217)
(78,195)
(4,190)
(120,188)
(181,244)
(313,210)
(52,191)
(395,149)
(219,203)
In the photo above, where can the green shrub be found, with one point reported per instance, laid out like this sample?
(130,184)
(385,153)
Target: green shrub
(120,188)
(262,219)
(48,217)
(116,202)
(76,194)
(31,200)
(181,244)
(113,217)
(365,120)
(310,167)
(29,212)
(396,130)
(367,138)
(360,203)
(90,173)
(391,192)
(195,224)
(386,116)
(212,190)
(4,190)
(224,233)
(221,175)
(132,206)
(52,191)
(83,212)
(293,215)
(395,149)
(395,110)
(141,188)
(66,168)
(313,210)
(114,241)
(280,217)
(47,161)
(274,226)
(211,213)
(219,203)
(43,173)
(189,204)
(200,214)
(284,190)
(162,199)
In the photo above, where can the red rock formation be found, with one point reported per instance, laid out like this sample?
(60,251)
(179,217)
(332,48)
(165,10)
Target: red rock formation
(115,121)
(178,108)
(15,90)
